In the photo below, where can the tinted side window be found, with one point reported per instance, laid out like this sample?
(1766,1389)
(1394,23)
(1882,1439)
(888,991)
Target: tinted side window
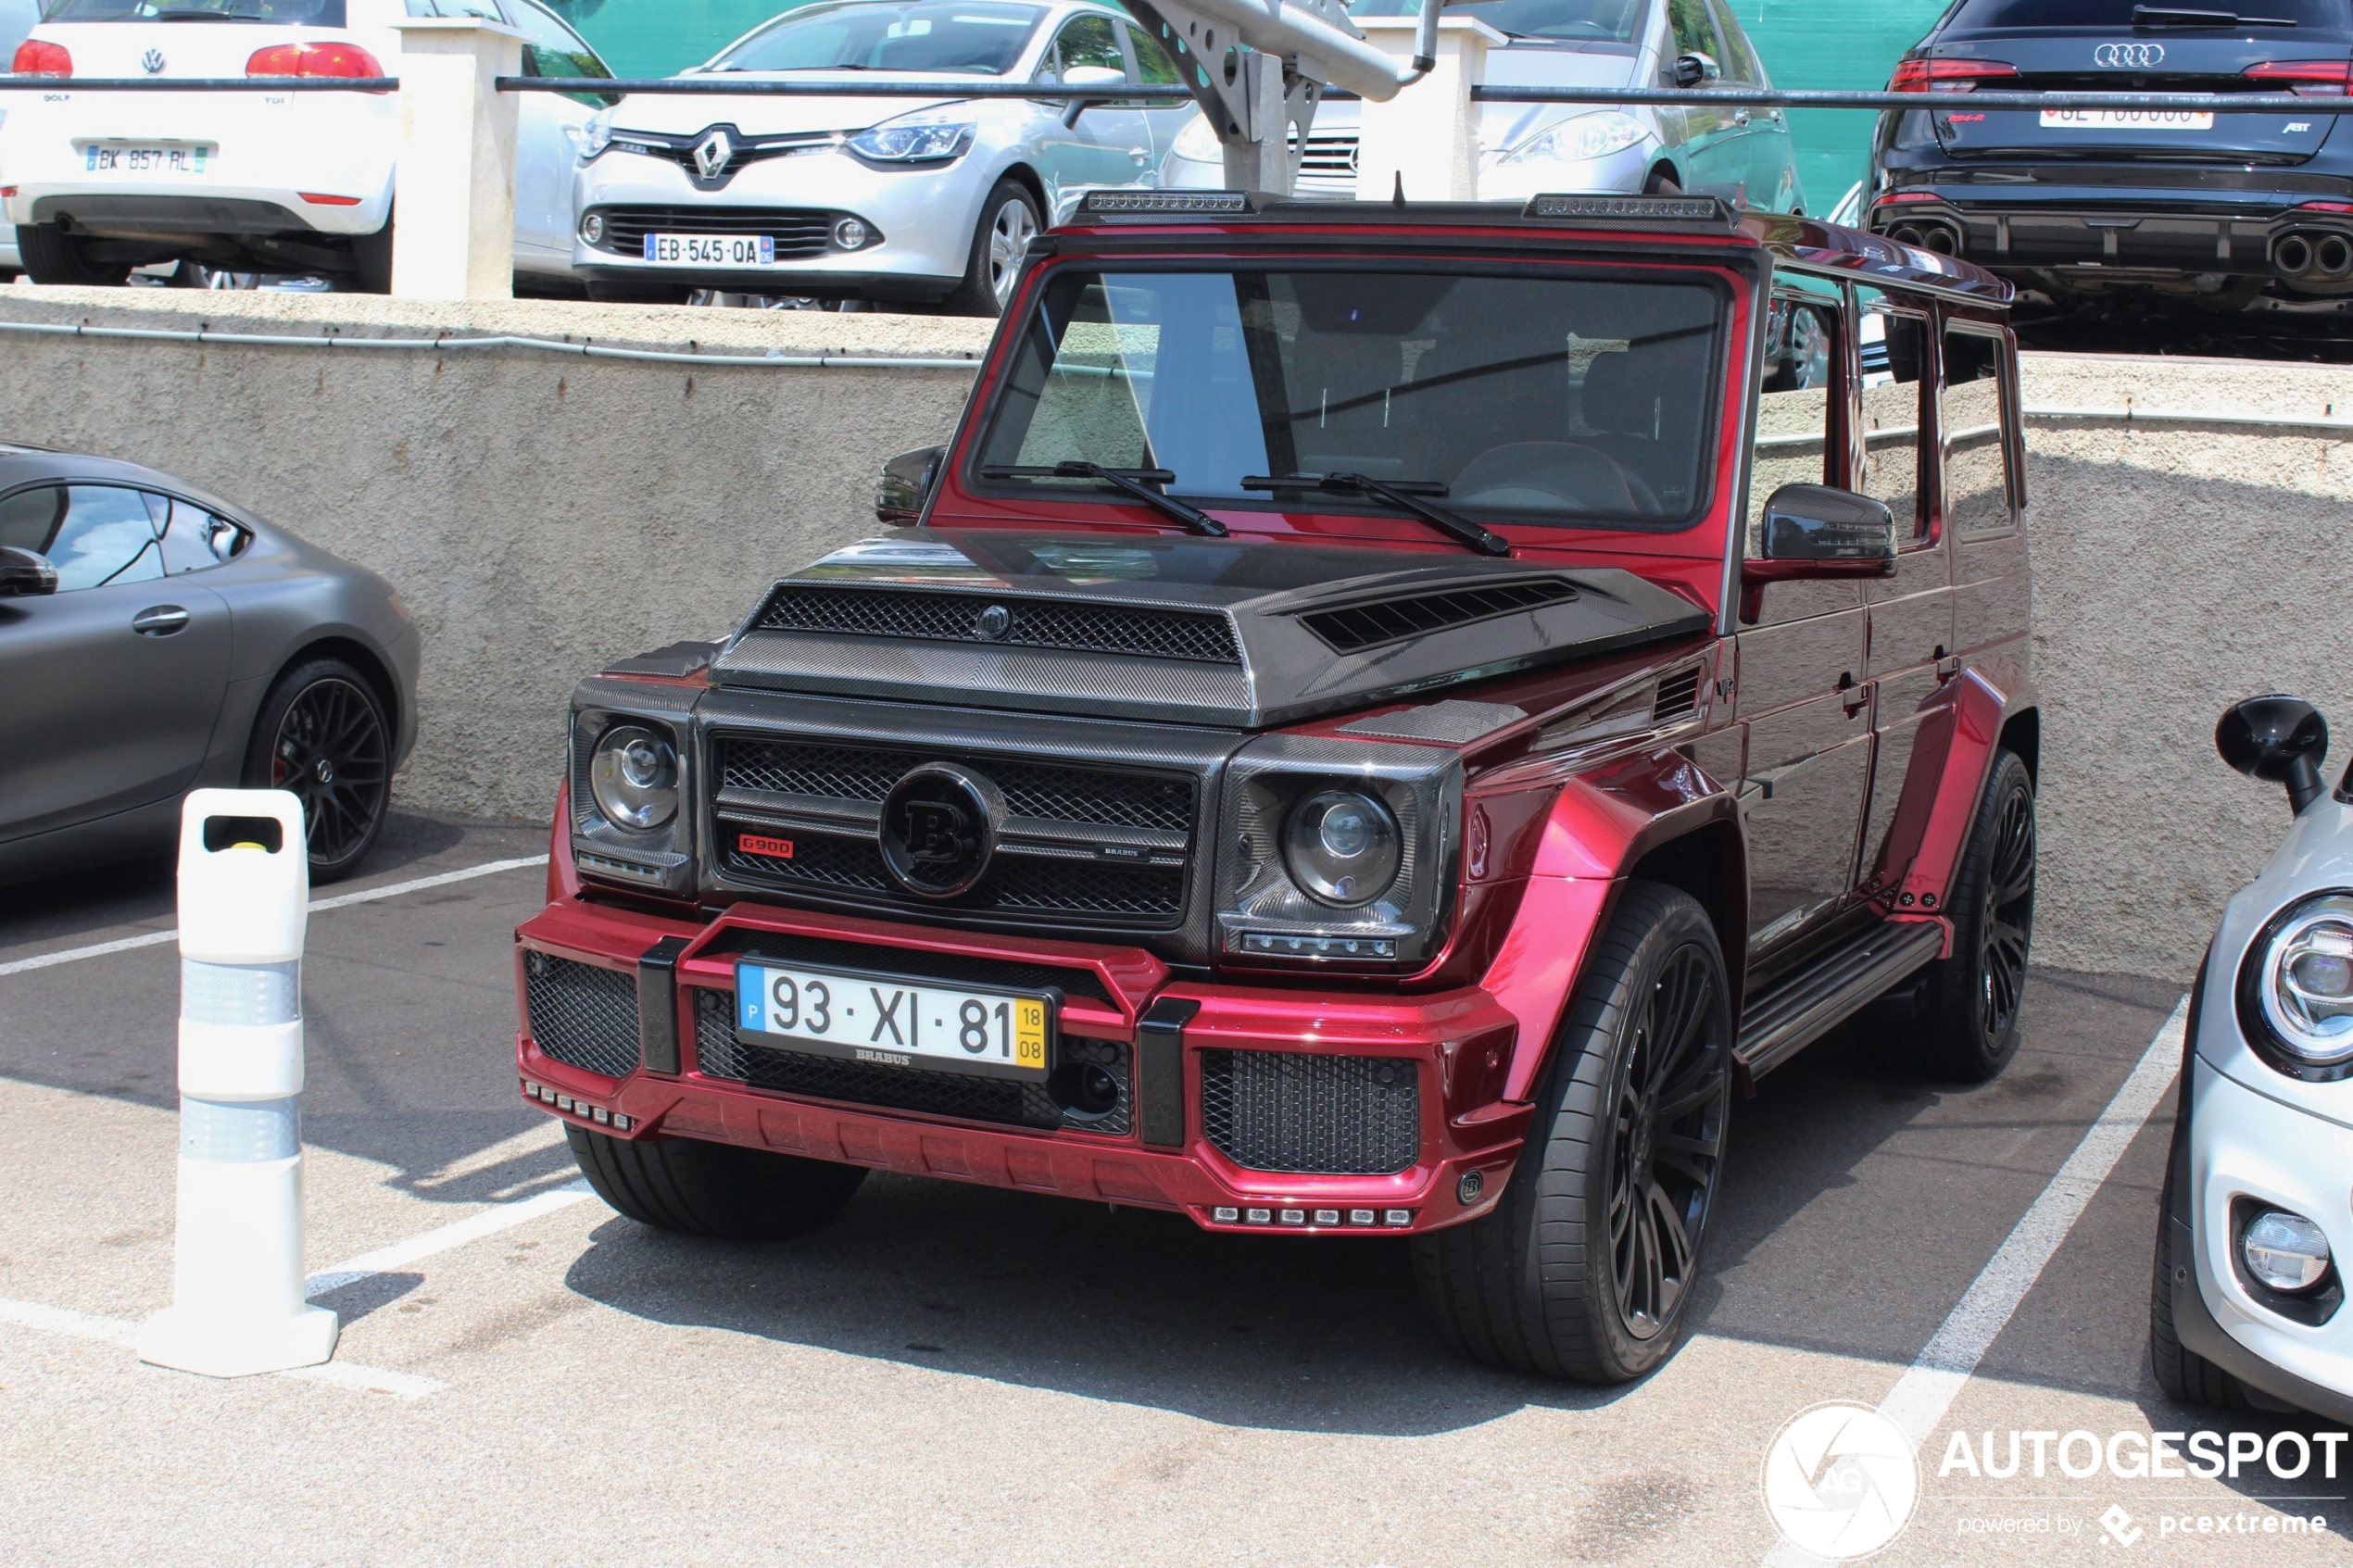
(94,534)
(1894,348)
(1152,62)
(1090,41)
(1793,404)
(1977,470)
(1694,30)
(195,539)
(1738,64)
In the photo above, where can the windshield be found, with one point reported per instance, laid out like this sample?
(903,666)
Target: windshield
(1536,400)
(926,35)
(288,13)
(1605,21)
(1975,15)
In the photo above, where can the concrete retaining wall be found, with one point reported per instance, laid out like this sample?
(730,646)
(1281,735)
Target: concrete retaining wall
(543,513)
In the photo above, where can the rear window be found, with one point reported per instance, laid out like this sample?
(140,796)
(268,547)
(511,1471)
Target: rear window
(285,13)
(2115,16)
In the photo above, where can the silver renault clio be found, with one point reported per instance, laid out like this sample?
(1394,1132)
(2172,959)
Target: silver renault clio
(874,198)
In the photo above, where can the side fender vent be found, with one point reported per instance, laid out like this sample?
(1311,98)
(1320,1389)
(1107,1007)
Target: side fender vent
(1353,628)
(1678,697)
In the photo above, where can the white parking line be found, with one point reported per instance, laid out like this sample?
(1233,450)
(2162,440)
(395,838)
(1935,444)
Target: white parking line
(457,1233)
(1936,1377)
(125,1333)
(366,896)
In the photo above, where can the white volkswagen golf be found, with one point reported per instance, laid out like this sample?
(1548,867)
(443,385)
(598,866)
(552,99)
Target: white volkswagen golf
(100,182)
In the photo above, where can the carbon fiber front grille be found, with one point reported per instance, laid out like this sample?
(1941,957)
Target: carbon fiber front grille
(1202,638)
(1148,896)
(1352,628)
(1031,789)
(1092,887)
(1312,1114)
(797,231)
(1006,1102)
(580,1015)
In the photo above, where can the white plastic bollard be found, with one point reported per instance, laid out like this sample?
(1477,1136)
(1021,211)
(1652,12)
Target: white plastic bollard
(238,1306)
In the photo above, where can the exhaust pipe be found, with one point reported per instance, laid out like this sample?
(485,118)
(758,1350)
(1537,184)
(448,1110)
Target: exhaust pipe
(1938,238)
(2333,254)
(2291,255)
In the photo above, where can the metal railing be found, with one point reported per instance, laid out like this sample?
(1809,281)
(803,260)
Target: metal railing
(1776,98)
(198,84)
(719,87)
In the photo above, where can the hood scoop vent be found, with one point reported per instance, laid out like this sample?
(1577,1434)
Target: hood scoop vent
(1195,636)
(1377,623)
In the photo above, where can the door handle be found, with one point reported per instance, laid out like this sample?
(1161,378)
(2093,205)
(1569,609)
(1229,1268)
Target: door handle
(1140,155)
(1947,664)
(160,621)
(1740,117)
(1853,696)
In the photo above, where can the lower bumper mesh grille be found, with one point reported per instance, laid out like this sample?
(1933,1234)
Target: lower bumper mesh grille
(1312,1114)
(1010,1102)
(580,1015)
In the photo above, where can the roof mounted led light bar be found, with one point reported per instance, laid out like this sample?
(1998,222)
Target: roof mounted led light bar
(1157,204)
(1706,212)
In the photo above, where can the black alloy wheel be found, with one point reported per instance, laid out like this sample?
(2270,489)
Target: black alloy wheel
(322,735)
(1964,1021)
(1584,1267)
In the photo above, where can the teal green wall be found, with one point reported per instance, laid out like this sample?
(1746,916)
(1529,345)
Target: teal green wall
(1850,44)
(1833,44)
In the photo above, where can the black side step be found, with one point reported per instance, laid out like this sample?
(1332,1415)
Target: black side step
(1797,1010)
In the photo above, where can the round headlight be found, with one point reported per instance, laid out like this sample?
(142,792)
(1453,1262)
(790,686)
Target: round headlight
(1343,848)
(2286,1251)
(635,777)
(2304,980)
(592,228)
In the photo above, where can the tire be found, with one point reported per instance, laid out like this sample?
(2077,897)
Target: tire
(52,256)
(1007,219)
(324,712)
(1661,183)
(1545,1283)
(1965,1025)
(371,261)
(2186,1377)
(714,1190)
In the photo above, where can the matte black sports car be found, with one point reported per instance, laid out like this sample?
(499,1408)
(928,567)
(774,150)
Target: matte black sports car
(2230,208)
(153,639)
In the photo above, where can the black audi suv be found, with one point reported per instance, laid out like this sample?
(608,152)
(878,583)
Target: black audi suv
(2227,208)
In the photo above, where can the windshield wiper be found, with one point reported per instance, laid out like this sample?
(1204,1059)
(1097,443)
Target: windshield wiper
(1135,483)
(1402,494)
(2179,15)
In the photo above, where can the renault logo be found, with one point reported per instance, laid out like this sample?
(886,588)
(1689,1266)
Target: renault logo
(152,62)
(938,829)
(711,155)
(2129,56)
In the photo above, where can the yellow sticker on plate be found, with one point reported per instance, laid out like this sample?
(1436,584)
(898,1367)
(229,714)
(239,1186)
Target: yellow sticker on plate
(1029,1033)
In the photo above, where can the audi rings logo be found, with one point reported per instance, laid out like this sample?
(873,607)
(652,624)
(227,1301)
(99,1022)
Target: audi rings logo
(2129,56)
(1840,1481)
(938,829)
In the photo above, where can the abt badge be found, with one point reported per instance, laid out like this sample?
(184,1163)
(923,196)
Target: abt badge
(775,848)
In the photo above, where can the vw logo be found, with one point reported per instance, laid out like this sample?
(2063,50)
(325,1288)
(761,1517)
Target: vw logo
(152,62)
(994,622)
(711,155)
(938,829)
(2129,56)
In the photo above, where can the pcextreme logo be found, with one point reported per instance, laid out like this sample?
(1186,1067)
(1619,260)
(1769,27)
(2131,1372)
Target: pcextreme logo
(1840,1481)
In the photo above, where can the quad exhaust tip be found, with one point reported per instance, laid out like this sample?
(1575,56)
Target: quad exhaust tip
(2313,254)
(1934,237)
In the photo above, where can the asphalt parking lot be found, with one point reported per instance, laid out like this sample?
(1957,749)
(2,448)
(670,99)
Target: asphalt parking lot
(956,1375)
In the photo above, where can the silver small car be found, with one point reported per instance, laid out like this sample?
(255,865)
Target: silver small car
(1743,156)
(875,199)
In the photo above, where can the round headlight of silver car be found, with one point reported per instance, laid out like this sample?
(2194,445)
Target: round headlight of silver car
(2302,980)
(634,774)
(1342,847)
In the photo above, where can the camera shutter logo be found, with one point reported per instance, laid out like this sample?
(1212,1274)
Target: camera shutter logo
(1840,1481)
(713,153)
(2129,56)
(152,62)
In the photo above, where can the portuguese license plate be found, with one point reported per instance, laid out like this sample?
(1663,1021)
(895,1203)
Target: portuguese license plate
(2128,119)
(895,1021)
(132,158)
(712,250)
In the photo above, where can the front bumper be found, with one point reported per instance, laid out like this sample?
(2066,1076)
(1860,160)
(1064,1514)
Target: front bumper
(2242,1144)
(2103,228)
(1165,1153)
(923,219)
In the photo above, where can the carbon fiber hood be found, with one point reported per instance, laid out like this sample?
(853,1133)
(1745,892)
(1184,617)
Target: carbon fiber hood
(1176,630)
